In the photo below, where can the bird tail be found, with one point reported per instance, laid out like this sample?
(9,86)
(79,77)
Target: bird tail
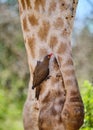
(37,92)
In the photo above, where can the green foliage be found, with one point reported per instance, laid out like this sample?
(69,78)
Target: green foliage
(13,77)
(87,95)
(13,87)
(12,97)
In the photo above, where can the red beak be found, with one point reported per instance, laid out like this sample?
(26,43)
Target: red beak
(50,54)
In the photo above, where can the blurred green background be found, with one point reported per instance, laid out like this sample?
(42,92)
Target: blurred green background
(14,72)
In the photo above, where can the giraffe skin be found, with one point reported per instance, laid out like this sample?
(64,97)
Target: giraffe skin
(47,27)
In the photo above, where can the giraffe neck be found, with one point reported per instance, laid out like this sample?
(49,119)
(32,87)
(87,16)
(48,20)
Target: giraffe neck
(46,26)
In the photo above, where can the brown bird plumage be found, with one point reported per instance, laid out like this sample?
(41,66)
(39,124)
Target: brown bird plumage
(41,71)
(37,92)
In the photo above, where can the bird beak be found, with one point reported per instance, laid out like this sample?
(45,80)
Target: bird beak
(50,54)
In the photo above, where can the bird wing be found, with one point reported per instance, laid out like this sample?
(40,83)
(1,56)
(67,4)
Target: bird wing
(37,67)
(40,76)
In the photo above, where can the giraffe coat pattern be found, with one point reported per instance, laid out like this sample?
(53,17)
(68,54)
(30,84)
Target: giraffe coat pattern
(47,27)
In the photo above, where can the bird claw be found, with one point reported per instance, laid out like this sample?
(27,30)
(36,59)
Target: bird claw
(48,77)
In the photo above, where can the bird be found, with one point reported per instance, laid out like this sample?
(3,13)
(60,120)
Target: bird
(41,71)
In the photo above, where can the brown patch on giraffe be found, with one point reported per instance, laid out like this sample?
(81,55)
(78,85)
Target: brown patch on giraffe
(59,23)
(78,111)
(68,62)
(46,98)
(60,120)
(61,102)
(42,52)
(69,82)
(53,41)
(28,4)
(25,26)
(69,72)
(52,7)
(39,3)
(53,111)
(54,81)
(43,31)
(23,4)
(62,48)
(58,93)
(73,93)
(31,43)
(66,32)
(66,114)
(78,104)
(33,20)
(74,99)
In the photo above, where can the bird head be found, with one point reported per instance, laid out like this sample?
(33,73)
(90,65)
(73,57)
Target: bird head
(49,55)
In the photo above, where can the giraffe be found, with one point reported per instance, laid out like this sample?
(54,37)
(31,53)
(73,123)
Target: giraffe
(47,27)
